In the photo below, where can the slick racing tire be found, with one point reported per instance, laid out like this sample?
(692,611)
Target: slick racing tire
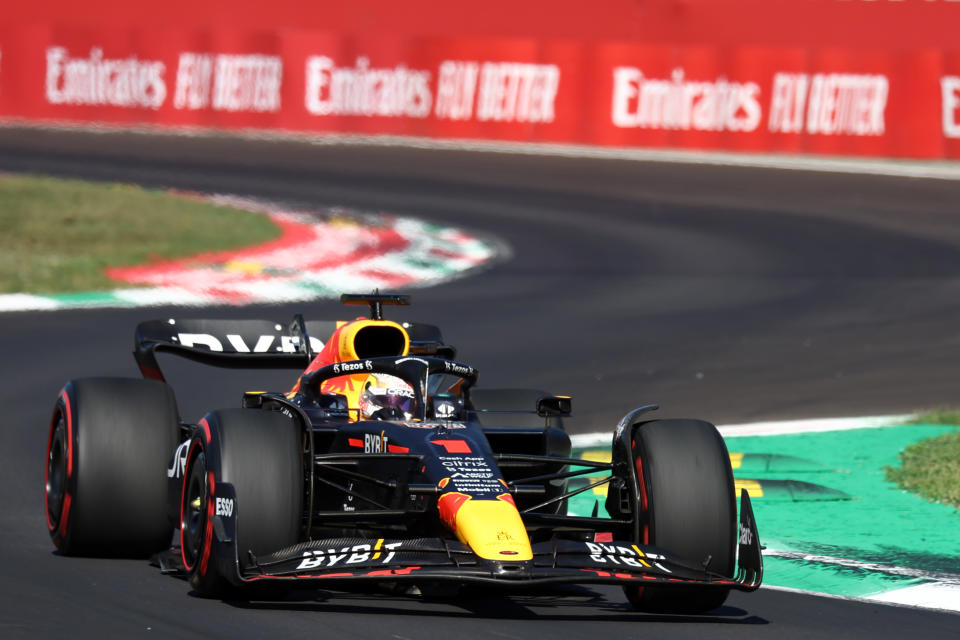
(687,506)
(261,454)
(105,482)
(510,400)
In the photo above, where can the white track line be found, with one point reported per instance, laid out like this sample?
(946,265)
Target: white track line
(814,425)
(776,428)
(947,578)
(936,595)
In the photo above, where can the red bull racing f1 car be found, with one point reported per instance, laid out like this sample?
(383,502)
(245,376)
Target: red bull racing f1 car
(386,462)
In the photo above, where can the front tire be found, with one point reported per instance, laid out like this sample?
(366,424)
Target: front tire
(687,506)
(261,454)
(105,483)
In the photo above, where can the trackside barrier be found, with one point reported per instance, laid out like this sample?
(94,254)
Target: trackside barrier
(813,76)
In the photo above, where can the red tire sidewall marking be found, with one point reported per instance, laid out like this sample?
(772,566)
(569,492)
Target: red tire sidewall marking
(183,496)
(211,500)
(60,531)
(642,488)
(46,469)
(644,503)
(204,559)
(207,534)
(66,404)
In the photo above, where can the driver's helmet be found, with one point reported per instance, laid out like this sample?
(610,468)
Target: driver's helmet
(386,397)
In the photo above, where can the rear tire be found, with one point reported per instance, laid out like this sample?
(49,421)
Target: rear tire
(109,444)
(687,506)
(261,454)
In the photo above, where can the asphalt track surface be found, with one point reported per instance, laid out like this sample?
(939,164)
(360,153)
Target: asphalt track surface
(722,293)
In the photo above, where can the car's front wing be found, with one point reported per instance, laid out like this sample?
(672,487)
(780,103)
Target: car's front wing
(437,559)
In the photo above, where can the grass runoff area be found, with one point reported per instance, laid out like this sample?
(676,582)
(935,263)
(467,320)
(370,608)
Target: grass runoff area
(59,235)
(931,468)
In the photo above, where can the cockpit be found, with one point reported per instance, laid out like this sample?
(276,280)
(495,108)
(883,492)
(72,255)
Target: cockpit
(366,369)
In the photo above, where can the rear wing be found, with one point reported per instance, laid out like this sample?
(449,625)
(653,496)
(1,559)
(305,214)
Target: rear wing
(254,344)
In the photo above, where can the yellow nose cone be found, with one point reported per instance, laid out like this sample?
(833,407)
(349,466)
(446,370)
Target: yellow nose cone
(493,529)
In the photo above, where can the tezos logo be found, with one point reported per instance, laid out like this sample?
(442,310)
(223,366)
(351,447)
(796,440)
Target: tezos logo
(347,367)
(458,369)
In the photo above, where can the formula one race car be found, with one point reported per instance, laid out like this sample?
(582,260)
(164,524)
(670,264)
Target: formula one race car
(384,463)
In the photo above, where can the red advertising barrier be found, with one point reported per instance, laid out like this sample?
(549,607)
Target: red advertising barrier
(742,75)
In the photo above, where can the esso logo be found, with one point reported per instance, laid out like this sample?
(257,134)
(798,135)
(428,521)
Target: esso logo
(225,507)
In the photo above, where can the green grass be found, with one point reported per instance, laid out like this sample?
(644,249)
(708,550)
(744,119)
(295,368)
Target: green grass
(938,416)
(57,236)
(931,468)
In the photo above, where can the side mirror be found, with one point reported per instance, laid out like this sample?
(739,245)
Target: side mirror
(548,406)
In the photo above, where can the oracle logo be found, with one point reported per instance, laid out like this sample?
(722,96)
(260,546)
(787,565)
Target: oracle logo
(95,80)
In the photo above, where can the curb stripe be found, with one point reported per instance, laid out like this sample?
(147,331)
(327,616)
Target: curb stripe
(319,255)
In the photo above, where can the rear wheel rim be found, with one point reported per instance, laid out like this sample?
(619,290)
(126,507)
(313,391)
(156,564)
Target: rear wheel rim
(56,473)
(193,511)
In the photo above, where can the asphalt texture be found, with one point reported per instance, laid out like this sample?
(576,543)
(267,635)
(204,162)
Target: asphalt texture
(721,293)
